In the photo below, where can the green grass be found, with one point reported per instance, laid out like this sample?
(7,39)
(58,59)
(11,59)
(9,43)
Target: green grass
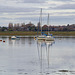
(18,33)
(64,33)
(58,33)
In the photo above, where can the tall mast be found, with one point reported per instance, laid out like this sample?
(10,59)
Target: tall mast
(48,23)
(41,20)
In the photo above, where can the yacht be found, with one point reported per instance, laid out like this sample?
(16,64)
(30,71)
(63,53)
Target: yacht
(41,37)
(13,37)
(49,37)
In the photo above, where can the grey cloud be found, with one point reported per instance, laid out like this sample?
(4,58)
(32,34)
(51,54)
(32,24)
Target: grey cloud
(30,18)
(62,0)
(32,1)
(4,18)
(60,20)
(54,20)
(14,9)
(60,13)
(65,6)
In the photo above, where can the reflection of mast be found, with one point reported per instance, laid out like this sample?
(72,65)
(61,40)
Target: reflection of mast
(41,59)
(48,54)
(41,20)
(48,44)
(40,54)
(40,45)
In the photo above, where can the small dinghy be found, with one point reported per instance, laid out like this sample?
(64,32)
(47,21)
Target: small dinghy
(13,37)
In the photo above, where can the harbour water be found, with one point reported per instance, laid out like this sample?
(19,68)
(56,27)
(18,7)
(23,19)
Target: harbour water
(26,56)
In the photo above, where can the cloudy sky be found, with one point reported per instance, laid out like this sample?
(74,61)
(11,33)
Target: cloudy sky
(62,12)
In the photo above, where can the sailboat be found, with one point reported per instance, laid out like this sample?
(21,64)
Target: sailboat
(49,37)
(41,37)
(15,37)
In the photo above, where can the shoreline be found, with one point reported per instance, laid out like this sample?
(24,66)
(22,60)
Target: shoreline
(8,36)
(31,33)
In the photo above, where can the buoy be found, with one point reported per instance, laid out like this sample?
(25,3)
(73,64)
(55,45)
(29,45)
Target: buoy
(0,40)
(3,41)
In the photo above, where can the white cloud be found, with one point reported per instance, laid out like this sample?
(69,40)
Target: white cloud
(20,10)
(56,2)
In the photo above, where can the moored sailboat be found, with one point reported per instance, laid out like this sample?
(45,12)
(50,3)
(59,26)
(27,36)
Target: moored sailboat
(15,37)
(49,37)
(41,37)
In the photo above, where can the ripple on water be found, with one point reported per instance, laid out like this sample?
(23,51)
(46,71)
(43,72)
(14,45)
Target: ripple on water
(21,70)
(25,73)
(66,72)
(20,73)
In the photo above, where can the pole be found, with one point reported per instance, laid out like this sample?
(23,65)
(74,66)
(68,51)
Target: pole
(41,20)
(48,23)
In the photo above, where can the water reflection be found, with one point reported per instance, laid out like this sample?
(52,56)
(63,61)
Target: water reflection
(20,41)
(27,56)
(23,40)
(44,55)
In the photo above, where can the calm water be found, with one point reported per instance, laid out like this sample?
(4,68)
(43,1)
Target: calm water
(26,56)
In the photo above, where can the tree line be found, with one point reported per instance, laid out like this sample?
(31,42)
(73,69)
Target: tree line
(31,27)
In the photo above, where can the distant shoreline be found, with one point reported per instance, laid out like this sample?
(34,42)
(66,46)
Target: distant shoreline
(30,33)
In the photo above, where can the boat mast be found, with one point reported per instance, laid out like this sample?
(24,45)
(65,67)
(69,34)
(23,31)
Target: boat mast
(48,23)
(41,20)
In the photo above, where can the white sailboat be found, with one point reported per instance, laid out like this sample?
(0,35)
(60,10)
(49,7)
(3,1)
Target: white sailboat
(49,37)
(15,37)
(41,37)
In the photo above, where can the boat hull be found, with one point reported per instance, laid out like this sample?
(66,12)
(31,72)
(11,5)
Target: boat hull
(14,37)
(49,39)
(41,37)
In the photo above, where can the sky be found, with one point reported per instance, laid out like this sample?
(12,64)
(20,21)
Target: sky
(61,12)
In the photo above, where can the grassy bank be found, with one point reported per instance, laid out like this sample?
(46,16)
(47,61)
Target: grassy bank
(63,33)
(18,33)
